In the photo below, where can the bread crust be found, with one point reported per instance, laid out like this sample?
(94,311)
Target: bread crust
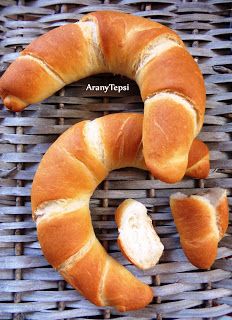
(195,253)
(131,35)
(65,178)
(116,285)
(85,274)
(193,219)
(34,84)
(62,235)
(197,151)
(74,175)
(80,169)
(87,48)
(198,160)
(69,59)
(222,211)
(174,71)
(166,140)
(120,210)
(74,141)
(201,225)
(122,138)
(200,170)
(70,171)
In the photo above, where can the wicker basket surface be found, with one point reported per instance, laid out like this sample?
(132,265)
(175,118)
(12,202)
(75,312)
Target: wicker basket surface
(29,287)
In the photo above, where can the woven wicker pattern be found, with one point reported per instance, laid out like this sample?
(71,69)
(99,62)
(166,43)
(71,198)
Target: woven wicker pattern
(29,287)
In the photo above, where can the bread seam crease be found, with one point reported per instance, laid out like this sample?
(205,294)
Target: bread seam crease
(78,255)
(75,158)
(195,165)
(44,65)
(59,206)
(155,48)
(176,96)
(95,37)
(102,281)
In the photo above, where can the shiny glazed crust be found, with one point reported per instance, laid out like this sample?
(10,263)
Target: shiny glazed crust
(68,174)
(140,50)
(201,221)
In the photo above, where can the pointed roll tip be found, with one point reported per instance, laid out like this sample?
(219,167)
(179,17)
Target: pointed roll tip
(13,103)
(200,170)
(171,174)
(147,296)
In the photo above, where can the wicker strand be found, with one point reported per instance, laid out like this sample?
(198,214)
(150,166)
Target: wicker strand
(61,284)
(19,202)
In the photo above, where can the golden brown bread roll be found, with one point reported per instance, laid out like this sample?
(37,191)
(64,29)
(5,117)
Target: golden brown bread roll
(68,174)
(201,221)
(154,56)
(137,238)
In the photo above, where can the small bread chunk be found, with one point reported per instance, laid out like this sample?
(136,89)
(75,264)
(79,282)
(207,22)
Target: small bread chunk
(137,239)
(201,220)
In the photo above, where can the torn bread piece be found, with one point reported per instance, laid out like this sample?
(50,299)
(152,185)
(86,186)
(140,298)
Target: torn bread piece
(201,220)
(137,239)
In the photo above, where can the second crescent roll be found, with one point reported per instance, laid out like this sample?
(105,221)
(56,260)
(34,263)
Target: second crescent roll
(67,176)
